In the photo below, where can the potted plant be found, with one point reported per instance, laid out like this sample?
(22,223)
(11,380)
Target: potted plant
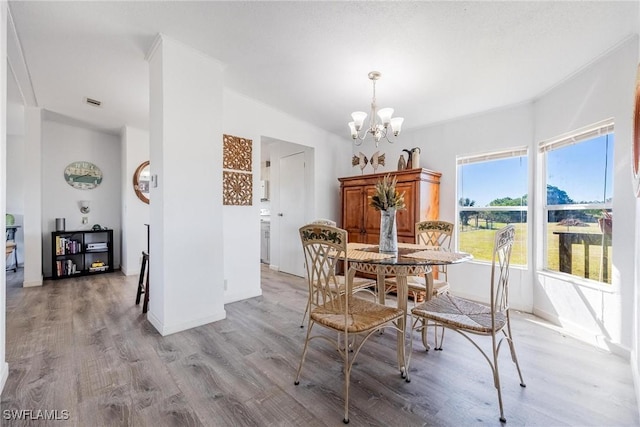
(387,200)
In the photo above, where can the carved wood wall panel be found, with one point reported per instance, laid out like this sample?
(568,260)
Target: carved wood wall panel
(237,188)
(237,153)
(237,179)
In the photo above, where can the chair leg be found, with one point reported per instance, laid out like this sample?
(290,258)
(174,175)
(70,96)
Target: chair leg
(141,280)
(438,347)
(512,348)
(304,316)
(347,377)
(496,377)
(304,353)
(145,305)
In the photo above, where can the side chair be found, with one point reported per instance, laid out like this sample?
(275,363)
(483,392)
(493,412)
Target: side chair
(334,306)
(359,283)
(438,235)
(470,318)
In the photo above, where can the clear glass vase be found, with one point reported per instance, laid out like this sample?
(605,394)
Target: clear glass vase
(388,232)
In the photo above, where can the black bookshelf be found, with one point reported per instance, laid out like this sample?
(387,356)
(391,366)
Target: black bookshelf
(81,253)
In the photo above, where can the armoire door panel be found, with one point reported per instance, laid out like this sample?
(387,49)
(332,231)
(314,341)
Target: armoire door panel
(352,219)
(405,219)
(371,215)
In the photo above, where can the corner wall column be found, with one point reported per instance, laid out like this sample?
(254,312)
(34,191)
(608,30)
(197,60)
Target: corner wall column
(33,220)
(186,259)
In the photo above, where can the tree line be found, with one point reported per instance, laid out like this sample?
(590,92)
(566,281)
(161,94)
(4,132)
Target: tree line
(555,196)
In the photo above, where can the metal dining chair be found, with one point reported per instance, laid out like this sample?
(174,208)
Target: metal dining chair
(470,318)
(334,306)
(359,283)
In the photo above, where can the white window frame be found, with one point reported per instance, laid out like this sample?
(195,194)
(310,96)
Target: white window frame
(485,157)
(577,136)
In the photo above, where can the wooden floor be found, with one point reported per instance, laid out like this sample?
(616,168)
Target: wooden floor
(82,345)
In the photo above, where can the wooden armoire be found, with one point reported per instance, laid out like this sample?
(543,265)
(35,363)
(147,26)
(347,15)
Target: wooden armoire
(421,189)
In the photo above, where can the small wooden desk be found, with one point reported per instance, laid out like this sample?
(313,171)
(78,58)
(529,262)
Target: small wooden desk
(565,253)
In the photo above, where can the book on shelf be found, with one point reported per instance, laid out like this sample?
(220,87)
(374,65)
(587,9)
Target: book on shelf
(66,268)
(65,246)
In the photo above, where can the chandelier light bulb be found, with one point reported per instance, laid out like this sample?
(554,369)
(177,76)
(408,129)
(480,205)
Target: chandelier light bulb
(385,116)
(396,125)
(358,119)
(354,132)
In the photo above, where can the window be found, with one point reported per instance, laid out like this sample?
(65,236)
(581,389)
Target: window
(492,192)
(578,178)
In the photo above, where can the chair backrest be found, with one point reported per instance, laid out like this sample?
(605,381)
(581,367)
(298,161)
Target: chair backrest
(323,221)
(324,247)
(502,246)
(434,233)
(437,234)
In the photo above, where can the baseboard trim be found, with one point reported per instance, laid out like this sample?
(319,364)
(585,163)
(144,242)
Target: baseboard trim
(242,296)
(165,330)
(4,374)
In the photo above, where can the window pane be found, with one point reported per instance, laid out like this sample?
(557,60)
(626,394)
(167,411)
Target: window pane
(578,242)
(483,184)
(476,233)
(581,173)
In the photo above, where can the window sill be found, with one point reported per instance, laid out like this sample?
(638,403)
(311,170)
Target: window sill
(488,264)
(579,281)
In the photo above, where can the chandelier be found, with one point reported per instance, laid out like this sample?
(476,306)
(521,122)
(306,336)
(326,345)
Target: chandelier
(378,130)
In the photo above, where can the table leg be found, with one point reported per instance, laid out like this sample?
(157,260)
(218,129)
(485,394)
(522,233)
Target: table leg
(381,287)
(401,283)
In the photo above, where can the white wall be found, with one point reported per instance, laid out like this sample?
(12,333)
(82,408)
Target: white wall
(16,161)
(603,89)
(250,119)
(15,188)
(62,144)
(135,213)
(635,359)
(4,367)
(440,144)
(186,254)
(32,221)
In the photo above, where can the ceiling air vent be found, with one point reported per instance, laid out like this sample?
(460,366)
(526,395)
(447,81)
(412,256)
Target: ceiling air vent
(93,102)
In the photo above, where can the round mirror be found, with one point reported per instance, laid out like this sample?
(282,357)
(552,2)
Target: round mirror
(141,179)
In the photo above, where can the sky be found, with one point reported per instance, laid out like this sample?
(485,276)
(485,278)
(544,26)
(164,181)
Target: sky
(578,169)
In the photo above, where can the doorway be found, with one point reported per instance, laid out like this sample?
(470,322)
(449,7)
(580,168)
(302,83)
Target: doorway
(291,193)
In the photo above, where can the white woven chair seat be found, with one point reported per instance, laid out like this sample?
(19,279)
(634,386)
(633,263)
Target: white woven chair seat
(363,315)
(460,313)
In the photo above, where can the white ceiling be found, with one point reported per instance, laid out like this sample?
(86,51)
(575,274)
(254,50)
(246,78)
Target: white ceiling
(439,60)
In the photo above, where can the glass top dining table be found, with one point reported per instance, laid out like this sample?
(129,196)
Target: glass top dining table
(411,260)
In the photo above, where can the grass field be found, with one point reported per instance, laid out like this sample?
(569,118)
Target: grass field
(479,242)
